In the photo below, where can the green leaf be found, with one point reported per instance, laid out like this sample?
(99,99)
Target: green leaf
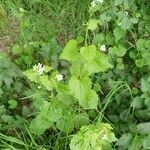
(125,140)
(39,125)
(140,63)
(147,102)
(118,33)
(99,64)
(71,52)
(80,88)
(16,49)
(137,103)
(32,75)
(45,81)
(12,104)
(146,143)
(66,123)
(145,84)
(125,23)
(91,100)
(93,137)
(81,119)
(66,99)
(92,24)
(118,2)
(143,128)
(88,53)
(119,51)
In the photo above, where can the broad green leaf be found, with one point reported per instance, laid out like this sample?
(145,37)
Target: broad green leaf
(92,24)
(66,123)
(16,49)
(137,103)
(12,104)
(125,23)
(146,142)
(39,125)
(145,84)
(118,2)
(93,137)
(118,33)
(91,100)
(32,75)
(71,52)
(140,63)
(66,99)
(80,88)
(99,64)
(147,102)
(81,119)
(45,81)
(119,51)
(143,128)
(88,53)
(125,140)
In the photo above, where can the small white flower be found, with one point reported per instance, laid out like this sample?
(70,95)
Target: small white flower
(95,2)
(126,13)
(41,70)
(39,87)
(59,77)
(105,137)
(38,68)
(21,10)
(35,67)
(103,48)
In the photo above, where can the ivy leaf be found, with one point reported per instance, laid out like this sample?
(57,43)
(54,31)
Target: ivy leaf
(71,52)
(92,24)
(88,53)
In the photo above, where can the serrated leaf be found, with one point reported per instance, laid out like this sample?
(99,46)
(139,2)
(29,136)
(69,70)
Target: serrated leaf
(71,52)
(79,88)
(118,33)
(92,24)
(45,81)
(125,140)
(88,53)
(99,64)
(143,128)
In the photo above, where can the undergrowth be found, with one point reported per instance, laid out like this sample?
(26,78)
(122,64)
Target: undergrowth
(76,76)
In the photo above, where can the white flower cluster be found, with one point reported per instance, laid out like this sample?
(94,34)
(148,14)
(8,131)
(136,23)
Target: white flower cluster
(95,2)
(59,77)
(38,68)
(104,137)
(103,48)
